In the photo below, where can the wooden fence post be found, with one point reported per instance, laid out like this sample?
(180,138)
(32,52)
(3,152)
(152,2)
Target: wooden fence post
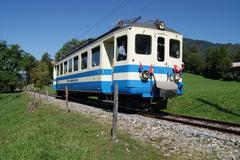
(115,111)
(34,96)
(47,93)
(39,96)
(66,93)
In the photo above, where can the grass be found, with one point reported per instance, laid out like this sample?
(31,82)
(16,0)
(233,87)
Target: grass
(45,89)
(50,90)
(51,133)
(213,99)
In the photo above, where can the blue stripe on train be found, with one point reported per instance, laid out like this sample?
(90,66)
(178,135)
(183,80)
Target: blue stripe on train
(135,68)
(118,69)
(86,74)
(98,86)
(136,87)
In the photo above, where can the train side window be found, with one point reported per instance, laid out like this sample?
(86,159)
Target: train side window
(160,49)
(122,48)
(65,67)
(84,60)
(70,65)
(174,48)
(57,69)
(95,56)
(61,69)
(143,44)
(75,63)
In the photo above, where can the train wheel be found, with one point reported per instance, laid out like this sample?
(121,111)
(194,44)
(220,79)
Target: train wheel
(60,94)
(131,102)
(162,104)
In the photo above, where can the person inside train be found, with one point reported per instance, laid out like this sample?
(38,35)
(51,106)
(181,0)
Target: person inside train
(122,54)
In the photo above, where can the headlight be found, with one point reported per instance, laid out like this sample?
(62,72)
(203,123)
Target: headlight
(145,75)
(161,25)
(171,77)
(177,77)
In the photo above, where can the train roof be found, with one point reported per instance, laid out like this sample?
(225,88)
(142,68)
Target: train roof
(90,41)
(152,26)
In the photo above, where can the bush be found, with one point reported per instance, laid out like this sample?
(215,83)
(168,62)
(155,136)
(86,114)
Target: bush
(227,76)
(236,76)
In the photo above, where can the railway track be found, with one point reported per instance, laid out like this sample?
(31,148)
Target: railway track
(222,126)
(228,127)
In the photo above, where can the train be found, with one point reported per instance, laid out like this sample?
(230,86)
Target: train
(144,59)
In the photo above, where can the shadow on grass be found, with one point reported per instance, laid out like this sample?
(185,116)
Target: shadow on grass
(11,92)
(218,107)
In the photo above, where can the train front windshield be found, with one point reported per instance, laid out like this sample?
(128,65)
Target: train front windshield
(174,48)
(143,44)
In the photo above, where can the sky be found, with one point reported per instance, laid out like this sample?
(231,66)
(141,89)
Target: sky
(40,26)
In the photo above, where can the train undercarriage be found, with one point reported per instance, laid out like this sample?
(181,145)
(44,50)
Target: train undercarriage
(130,101)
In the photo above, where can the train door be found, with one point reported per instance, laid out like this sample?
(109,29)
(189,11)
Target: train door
(108,61)
(121,57)
(109,48)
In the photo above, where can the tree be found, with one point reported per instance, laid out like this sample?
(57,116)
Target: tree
(28,62)
(224,64)
(67,47)
(194,62)
(217,63)
(48,61)
(9,66)
(40,75)
(46,58)
(237,57)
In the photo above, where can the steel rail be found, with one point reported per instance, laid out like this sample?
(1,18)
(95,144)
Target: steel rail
(195,121)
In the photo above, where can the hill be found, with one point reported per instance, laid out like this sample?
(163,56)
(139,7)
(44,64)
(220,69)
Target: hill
(212,60)
(201,47)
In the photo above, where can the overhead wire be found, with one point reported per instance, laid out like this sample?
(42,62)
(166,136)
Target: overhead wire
(136,12)
(121,5)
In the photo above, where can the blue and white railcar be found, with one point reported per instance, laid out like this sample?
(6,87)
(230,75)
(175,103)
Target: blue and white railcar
(145,59)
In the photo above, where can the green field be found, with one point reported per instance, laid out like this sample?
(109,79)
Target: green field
(213,99)
(51,133)
(45,89)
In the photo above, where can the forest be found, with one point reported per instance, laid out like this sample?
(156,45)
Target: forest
(211,60)
(19,68)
